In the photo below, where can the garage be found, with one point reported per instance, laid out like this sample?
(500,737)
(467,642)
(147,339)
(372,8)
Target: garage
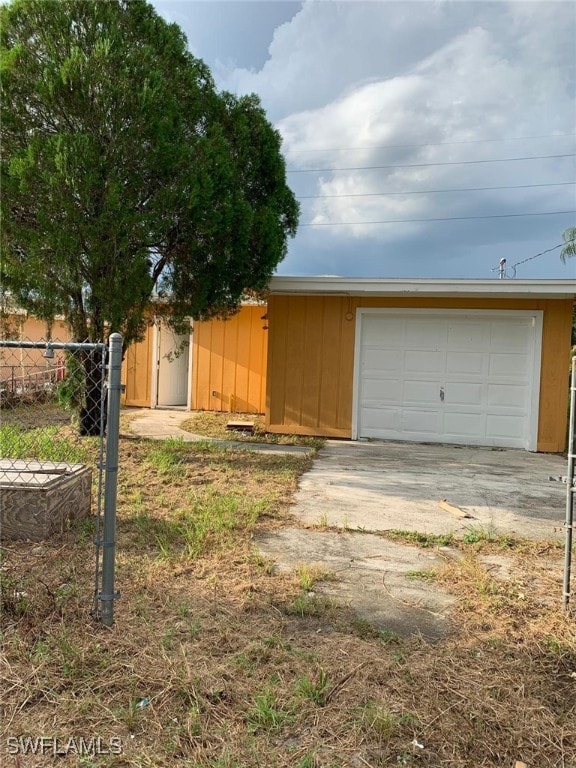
(450,377)
(457,361)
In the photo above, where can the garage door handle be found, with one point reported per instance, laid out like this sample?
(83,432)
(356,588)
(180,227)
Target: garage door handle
(442,394)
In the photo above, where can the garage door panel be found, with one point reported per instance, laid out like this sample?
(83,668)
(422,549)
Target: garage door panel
(421,421)
(510,335)
(464,424)
(466,335)
(383,334)
(421,392)
(470,363)
(381,390)
(382,360)
(463,393)
(425,361)
(381,418)
(423,334)
(512,366)
(505,426)
(483,364)
(508,395)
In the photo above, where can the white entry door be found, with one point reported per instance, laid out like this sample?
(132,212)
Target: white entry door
(172,366)
(450,376)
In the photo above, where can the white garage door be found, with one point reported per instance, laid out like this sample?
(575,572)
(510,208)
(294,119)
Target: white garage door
(455,376)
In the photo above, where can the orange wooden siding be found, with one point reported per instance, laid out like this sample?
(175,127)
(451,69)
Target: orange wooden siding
(229,363)
(26,328)
(311,359)
(137,372)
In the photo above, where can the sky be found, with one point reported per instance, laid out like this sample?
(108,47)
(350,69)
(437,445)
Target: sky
(416,134)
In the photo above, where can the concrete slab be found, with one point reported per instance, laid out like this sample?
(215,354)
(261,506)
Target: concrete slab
(375,577)
(377,486)
(163,423)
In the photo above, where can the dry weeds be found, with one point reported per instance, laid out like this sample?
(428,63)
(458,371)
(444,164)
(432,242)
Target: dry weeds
(208,665)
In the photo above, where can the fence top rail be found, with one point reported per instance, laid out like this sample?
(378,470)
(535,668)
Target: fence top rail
(72,345)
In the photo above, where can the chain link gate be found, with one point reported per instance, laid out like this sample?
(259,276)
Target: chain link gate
(45,459)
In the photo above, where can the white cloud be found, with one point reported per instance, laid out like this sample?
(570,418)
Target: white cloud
(487,82)
(441,77)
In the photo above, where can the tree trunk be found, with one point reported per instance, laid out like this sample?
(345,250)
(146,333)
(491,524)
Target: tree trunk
(93,410)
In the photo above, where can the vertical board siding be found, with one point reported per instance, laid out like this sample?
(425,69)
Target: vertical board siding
(309,373)
(311,359)
(137,372)
(23,327)
(556,338)
(229,363)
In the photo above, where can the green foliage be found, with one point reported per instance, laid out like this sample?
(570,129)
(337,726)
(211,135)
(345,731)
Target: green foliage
(569,237)
(71,390)
(166,457)
(308,605)
(382,722)
(208,523)
(424,540)
(266,714)
(45,444)
(124,172)
(314,687)
(13,598)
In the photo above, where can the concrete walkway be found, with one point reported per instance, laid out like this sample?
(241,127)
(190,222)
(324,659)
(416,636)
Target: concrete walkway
(163,423)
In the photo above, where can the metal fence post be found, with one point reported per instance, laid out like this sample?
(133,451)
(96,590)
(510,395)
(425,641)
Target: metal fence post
(108,595)
(570,487)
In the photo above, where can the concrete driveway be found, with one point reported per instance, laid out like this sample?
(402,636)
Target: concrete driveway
(363,488)
(380,486)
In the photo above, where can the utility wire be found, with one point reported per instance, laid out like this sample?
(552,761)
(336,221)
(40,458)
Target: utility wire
(433,144)
(531,258)
(417,221)
(435,191)
(428,165)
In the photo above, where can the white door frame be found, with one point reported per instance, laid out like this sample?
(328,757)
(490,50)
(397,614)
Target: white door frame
(535,314)
(155,364)
(190,366)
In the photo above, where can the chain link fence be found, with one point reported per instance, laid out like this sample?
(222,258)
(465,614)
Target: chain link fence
(59,431)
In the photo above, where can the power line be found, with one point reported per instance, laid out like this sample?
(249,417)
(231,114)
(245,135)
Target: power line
(449,218)
(435,191)
(434,144)
(428,165)
(531,258)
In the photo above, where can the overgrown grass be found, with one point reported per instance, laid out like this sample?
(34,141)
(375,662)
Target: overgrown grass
(216,660)
(308,575)
(208,522)
(42,444)
(424,540)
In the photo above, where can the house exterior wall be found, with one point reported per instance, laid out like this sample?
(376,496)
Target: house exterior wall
(137,372)
(23,327)
(228,358)
(311,360)
(229,363)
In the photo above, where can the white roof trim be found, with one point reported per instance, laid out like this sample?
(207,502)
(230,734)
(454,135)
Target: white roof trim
(361,286)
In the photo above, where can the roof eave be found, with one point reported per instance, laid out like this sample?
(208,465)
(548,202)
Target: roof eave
(442,288)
